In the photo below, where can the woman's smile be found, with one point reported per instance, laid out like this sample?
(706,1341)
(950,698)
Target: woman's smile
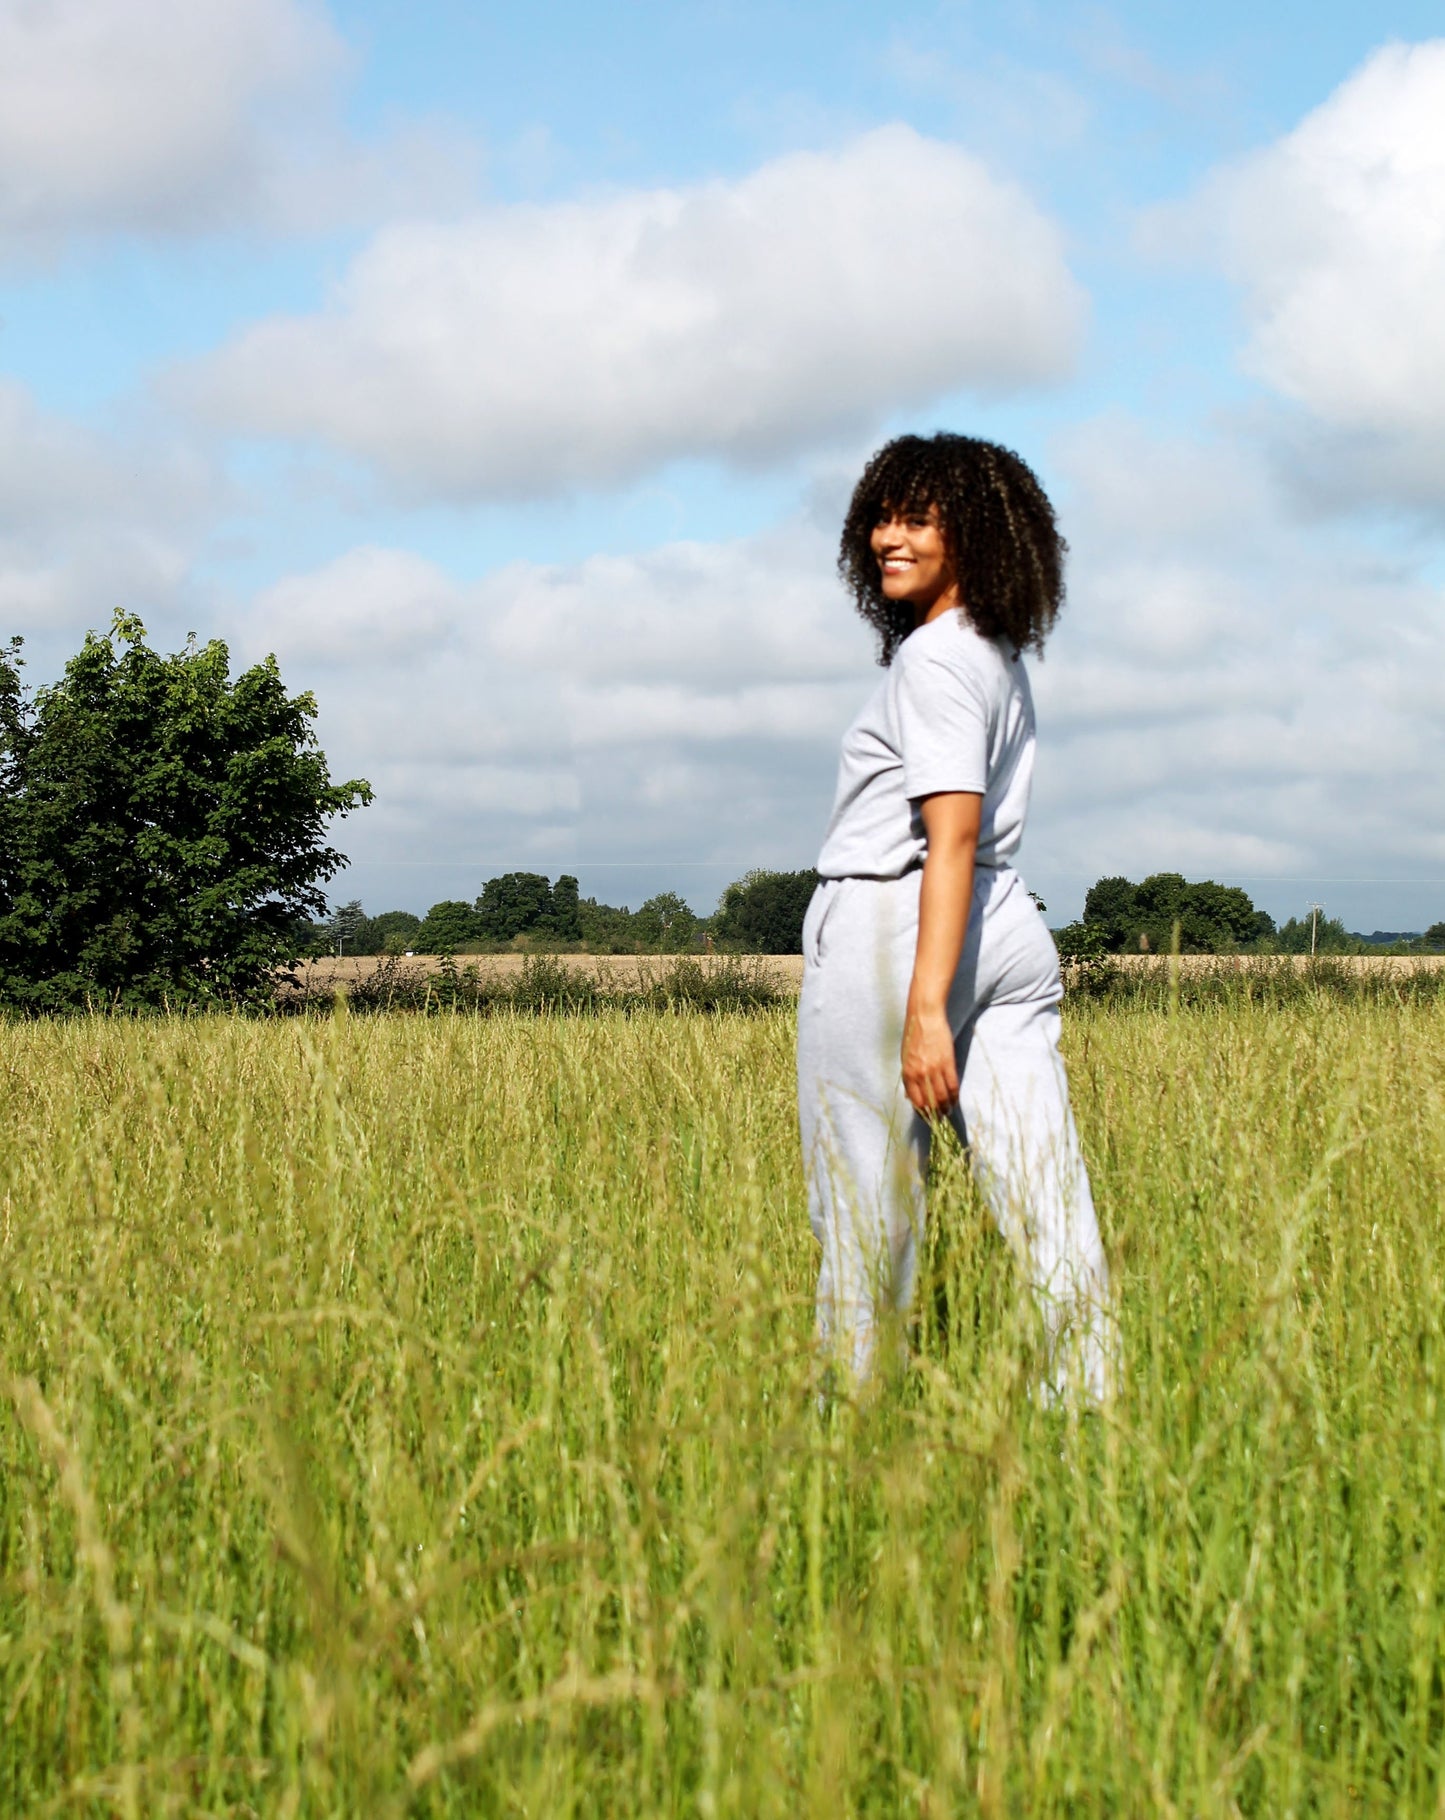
(913,560)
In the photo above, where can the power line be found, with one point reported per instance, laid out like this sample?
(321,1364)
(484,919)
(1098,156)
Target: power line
(1253,878)
(573,861)
(1278,878)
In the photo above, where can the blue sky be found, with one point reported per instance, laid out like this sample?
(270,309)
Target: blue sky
(505,372)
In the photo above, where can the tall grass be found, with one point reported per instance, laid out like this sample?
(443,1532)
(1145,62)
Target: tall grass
(546,985)
(418,1416)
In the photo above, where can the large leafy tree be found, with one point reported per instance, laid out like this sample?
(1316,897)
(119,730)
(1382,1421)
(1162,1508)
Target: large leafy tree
(1112,906)
(1212,918)
(162,826)
(762,912)
(566,909)
(447,926)
(516,903)
(397,930)
(525,903)
(666,922)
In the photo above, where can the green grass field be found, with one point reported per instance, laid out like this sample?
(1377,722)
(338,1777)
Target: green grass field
(409,1416)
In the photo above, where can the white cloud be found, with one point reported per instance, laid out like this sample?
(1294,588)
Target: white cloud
(535,348)
(763,609)
(58,475)
(367,604)
(686,700)
(1337,234)
(178,116)
(89,521)
(1231,692)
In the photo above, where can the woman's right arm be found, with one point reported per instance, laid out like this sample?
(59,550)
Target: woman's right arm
(951,821)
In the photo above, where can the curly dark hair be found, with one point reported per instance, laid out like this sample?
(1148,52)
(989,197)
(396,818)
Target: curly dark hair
(998,528)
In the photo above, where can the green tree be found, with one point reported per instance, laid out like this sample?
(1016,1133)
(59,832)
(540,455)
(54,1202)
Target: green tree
(566,910)
(162,826)
(1160,900)
(397,930)
(349,930)
(666,923)
(1212,918)
(605,928)
(514,904)
(1318,934)
(1217,919)
(448,926)
(1112,905)
(1434,936)
(762,912)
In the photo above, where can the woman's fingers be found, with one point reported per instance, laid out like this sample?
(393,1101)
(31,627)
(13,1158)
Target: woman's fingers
(931,1088)
(929,1065)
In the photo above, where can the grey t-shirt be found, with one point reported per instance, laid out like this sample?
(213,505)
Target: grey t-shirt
(953,712)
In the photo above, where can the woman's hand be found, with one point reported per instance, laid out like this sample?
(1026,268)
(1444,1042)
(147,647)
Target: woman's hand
(930,1068)
(951,821)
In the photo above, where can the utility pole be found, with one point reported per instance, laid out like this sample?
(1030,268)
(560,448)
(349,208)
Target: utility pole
(1314,926)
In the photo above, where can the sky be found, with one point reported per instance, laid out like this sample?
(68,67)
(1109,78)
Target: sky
(505,372)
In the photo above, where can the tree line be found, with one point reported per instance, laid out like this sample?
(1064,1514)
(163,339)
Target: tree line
(760,913)
(1121,917)
(164,843)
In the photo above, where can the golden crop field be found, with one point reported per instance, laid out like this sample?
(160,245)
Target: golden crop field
(418,1416)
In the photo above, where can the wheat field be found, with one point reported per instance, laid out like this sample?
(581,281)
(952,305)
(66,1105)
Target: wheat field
(410,1416)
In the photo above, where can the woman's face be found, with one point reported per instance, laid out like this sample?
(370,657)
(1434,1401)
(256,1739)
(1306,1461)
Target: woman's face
(913,561)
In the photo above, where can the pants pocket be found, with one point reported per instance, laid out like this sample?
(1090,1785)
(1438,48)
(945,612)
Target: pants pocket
(819,906)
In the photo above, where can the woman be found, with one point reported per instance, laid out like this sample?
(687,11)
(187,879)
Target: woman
(931,987)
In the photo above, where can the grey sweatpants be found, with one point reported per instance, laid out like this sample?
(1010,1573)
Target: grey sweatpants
(865,1149)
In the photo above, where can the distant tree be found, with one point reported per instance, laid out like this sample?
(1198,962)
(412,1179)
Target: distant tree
(762,912)
(1160,900)
(1434,936)
(666,923)
(1112,905)
(1328,933)
(397,930)
(1216,919)
(514,904)
(448,926)
(566,910)
(349,930)
(605,928)
(1212,918)
(162,826)
(369,938)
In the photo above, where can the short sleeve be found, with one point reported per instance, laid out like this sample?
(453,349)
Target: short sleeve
(942,728)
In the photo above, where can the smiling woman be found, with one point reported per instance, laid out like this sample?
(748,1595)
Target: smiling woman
(931,988)
(953,511)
